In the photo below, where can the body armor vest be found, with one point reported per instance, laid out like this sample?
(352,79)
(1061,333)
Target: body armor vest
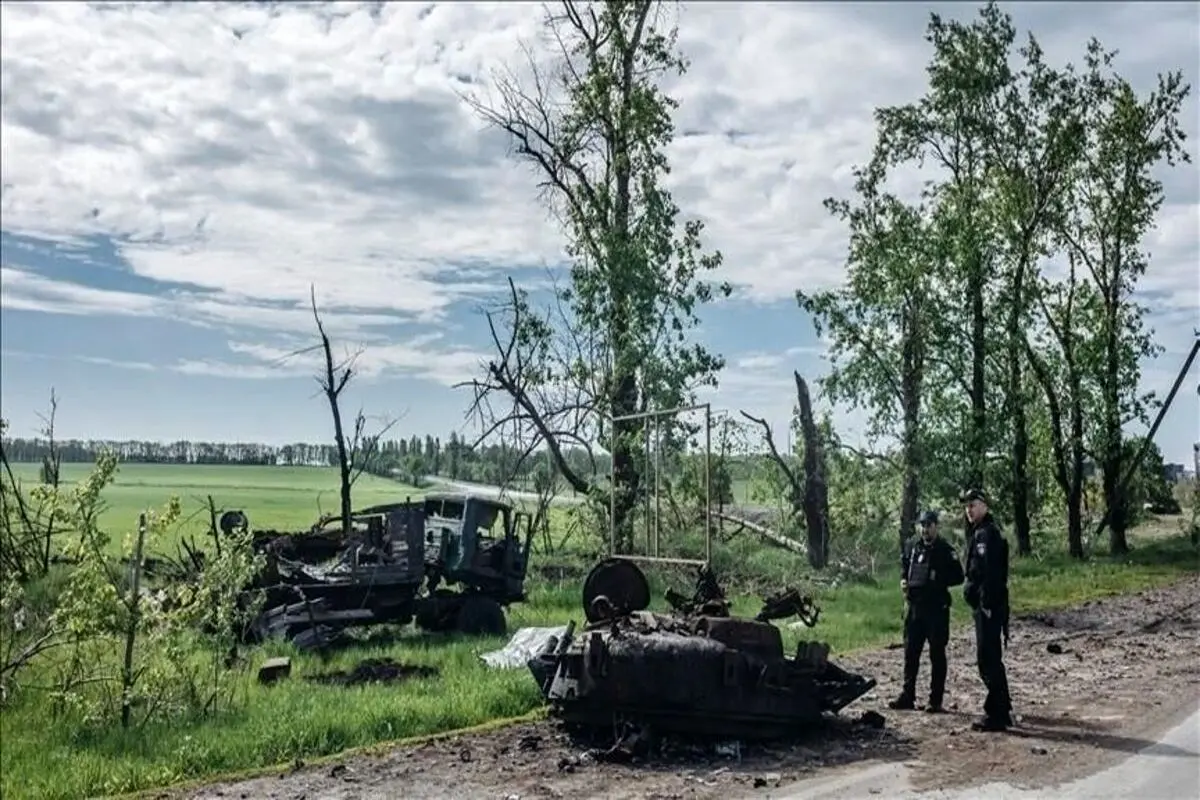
(919,566)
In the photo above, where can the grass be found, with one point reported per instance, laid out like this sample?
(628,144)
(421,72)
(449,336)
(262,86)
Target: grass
(41,757)
(283,498)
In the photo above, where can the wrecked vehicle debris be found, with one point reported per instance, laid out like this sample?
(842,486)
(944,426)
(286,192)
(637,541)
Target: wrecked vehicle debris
(696,671)
(451,562)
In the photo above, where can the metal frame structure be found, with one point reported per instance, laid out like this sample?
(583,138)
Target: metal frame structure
(653,532)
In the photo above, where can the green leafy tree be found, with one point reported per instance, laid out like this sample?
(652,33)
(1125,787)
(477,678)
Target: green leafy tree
(879,322)
(1148,486)
(1058,354)
(1114,201)
(618,340)
(1036,149)
(123,649)
(414,468)
(953,131)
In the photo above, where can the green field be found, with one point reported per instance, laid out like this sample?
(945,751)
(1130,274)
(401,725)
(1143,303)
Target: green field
(47,756)
(280,498)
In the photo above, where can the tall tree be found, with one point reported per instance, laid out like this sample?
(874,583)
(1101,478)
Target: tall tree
(953,129)
(1060,369)
(1114,202)
(878,321)
(616,342)
(1035,150)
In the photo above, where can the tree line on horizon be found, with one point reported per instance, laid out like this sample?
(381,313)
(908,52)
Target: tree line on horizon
(454,458)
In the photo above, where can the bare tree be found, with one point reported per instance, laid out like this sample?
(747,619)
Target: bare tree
(356,453)
(516,397)
(795,485)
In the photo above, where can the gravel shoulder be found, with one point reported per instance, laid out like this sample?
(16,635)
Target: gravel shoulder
(1091,685)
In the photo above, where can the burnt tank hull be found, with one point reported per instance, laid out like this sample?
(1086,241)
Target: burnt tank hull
(705,676)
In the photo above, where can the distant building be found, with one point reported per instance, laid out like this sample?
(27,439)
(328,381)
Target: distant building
(1174,472)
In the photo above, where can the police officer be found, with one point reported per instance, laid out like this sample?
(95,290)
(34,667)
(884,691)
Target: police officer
(986,592)
(929,567)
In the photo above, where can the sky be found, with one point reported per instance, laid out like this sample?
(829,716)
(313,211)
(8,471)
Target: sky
(176,176)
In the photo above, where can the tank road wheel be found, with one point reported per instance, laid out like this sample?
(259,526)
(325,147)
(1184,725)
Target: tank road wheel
(481,616)
(621,585)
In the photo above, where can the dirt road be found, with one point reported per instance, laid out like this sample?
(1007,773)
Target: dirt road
(1091,685)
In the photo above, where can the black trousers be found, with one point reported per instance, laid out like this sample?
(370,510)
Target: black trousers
(926,623)
(989,655)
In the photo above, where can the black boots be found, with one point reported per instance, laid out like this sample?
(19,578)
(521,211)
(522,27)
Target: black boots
(907,702)
(993,724)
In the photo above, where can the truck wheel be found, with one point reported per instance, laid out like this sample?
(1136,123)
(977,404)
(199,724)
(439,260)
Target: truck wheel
(438,613)
(481,616)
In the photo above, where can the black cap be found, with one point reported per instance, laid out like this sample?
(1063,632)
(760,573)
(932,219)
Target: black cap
(929,517)
(971,495)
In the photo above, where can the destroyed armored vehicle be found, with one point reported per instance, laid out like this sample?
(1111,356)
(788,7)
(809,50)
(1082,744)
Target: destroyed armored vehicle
(452,562)
(697,671)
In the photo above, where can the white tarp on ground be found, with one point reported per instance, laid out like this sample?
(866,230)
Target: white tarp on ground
(524,645)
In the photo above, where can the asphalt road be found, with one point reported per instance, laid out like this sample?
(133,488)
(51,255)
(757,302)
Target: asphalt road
(1166,770)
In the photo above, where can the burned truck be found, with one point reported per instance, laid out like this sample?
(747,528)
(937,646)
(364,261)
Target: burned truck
(696,671)
(451,562)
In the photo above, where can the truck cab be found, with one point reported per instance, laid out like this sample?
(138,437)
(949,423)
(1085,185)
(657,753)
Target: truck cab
(476,541)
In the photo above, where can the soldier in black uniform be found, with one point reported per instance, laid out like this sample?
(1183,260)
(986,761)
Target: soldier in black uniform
(986,591)
(929,567)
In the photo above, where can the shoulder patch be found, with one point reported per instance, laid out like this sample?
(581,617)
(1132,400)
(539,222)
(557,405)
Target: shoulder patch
(981,548)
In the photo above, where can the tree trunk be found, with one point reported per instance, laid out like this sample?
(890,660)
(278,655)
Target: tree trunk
(978,436)
(911,495)
(816,493)
(1075,519)
(332,390)
(1196,493)
(1075,491)
(1021,521)
(626,473)
(1068,453)
(1020,430)
(1114,499)
(911,379)
(343,466)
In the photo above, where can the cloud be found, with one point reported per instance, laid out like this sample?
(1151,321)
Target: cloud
(27,291)
(446,366)
(239,153)
(253,149)
(758,361)
(418,357)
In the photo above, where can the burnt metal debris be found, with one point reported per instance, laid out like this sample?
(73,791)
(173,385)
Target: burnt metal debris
(696,671)
(451,562)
